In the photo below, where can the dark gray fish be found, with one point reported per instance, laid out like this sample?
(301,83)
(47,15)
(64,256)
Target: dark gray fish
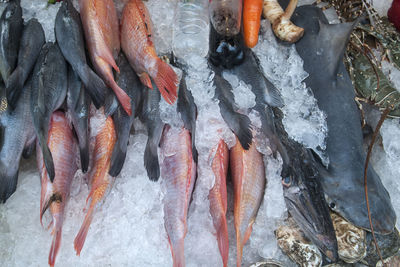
(69,34)
(31,43)
(188,110)
(388,245)
(303,193)
(322,49)
(11,25)
(78,103)
(239,123)
(130,83)
(150,116)
(17,134)
(49,88)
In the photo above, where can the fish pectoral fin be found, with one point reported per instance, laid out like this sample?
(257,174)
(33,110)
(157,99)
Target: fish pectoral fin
(28,150)
(273,97)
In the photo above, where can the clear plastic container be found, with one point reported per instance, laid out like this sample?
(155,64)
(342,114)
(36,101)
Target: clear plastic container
(191,28)
(226,16)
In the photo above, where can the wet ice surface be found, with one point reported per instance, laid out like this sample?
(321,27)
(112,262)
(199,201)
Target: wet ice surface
(128,227)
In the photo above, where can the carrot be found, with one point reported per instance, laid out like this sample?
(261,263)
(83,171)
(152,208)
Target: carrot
(251,21)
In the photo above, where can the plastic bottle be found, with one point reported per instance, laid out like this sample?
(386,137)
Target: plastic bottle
(191,29)
(226,16)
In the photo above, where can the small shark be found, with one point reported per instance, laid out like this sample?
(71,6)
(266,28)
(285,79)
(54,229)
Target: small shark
(322,48)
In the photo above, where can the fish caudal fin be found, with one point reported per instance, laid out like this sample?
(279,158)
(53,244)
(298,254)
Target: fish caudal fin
(81,236)
(117,159)
(151,160)
(14,87)
(122,96)
(166,81)
(55,246)
(223,241)
(94,85)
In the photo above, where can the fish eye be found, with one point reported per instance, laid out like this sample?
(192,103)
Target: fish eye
(332,205)
(287,181)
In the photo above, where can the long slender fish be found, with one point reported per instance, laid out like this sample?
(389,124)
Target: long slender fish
(151,117)
(130,83)
(49,88)
(100,180)
(17,134)
(32,41)
(218,198)
(69,34)
(178,170)
(100,24)
(137,44)
(248,175)
(54,194)
(78,103)
(322,49)
(11,25)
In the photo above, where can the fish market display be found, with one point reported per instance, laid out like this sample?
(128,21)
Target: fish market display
(256,143)
(54,194)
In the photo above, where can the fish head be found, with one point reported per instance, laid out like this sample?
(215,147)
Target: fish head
(305,201)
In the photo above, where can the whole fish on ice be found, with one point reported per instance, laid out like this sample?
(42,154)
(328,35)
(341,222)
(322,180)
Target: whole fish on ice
(49,89)
(178,171)
(54,194)
(137,44)
(69,34)
(31,43)
(100,24)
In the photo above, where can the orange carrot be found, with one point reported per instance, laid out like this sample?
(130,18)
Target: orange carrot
(251,21)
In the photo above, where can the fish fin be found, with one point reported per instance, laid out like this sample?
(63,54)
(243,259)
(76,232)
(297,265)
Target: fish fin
(117,158)
(94,85)
(166,81)
(151,160)
(122,96)
(248,233)
(111,104)
(28,150)
(273,97)
(107,56)
(178,253)
(84,155)
(47,158)
(8,184)
(239,249)
(223,241)
(14,87)
(145,79)
(55,246)
(81,236)
(332,40)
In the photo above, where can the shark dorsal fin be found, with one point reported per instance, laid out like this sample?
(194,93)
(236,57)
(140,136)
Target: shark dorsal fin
(332,42)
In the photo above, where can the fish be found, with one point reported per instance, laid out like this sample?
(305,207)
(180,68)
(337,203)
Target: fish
(389,245)
(17,134)
(11,25)
(137,44)
(218,198)
(322,48)
(69,35)
(78,104)
(54,195)
(303,193)
(99,178)
(130,83)
(150,116)
(49,89)
(31,43)
(188,110)
(248,176)
(240,124)
(101,30)
(178,171)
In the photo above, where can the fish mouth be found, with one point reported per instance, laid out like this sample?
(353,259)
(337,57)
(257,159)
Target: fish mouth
(312,215)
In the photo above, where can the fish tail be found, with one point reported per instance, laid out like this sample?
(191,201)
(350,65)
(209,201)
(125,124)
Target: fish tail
(55,246)
(122,96)
(14,87)
(239,249)
(166,81)
(223,241)
(117,159)
(81,236)
(151,160)
(94,85)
